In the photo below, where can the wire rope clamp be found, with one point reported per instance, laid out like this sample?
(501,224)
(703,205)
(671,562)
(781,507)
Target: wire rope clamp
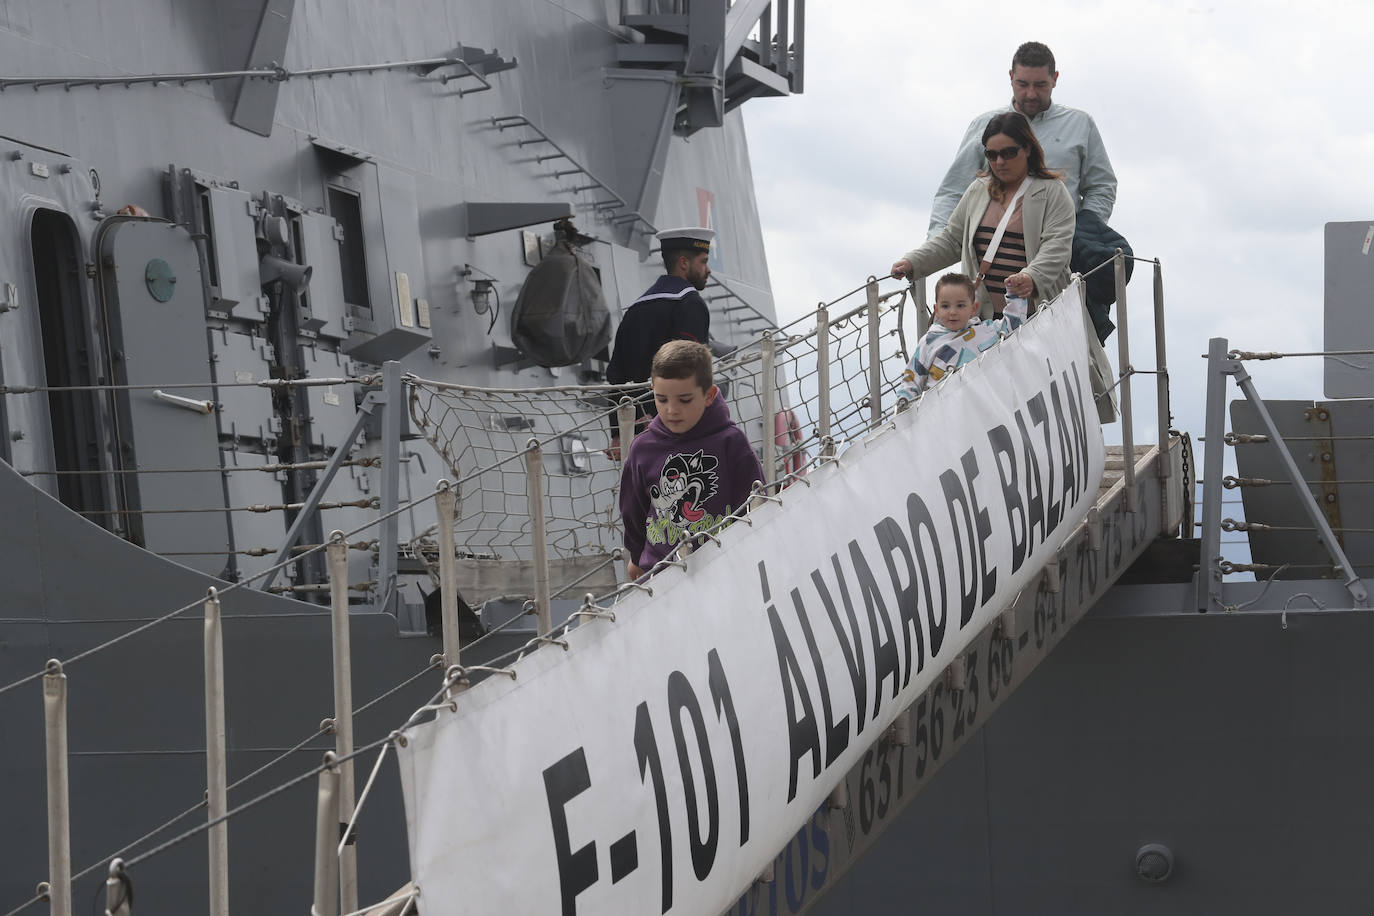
(1006,623)
(956,675)
(1093,524)
(1052,575)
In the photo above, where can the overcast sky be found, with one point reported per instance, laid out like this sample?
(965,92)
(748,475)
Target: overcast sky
(1236,129)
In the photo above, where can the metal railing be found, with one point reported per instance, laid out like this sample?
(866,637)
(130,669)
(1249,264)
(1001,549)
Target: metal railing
(1224,363)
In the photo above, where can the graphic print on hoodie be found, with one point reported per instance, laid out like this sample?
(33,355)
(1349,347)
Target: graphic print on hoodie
(684,486)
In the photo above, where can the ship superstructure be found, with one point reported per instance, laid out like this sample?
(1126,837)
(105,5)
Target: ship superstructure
(261,397)
(228,223)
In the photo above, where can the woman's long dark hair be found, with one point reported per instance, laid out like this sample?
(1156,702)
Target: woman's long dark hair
(1014,124)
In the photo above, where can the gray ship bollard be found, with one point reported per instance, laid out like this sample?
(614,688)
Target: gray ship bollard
(216,766)
(326,900)
(534,473)
(343,714)
(59,802)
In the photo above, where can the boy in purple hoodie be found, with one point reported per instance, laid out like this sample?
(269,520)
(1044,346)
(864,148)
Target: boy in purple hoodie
(691,468)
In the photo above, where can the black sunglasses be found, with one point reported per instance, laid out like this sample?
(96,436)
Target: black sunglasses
(1008,154)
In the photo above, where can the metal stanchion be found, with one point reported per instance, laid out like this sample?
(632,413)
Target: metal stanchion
(918,299)
(534,473)
(343,715)
(1209,544)
(393,409)
(448,585)
(59,807)
(1123,344)
(216,765)
(326,901)
(768,395)
(875,365)
(1161,378)
(823,380)
(625,419)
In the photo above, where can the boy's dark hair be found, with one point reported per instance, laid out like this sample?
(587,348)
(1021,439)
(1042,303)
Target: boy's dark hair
(1033,54)
(684,359)
(957,280)
(670,258)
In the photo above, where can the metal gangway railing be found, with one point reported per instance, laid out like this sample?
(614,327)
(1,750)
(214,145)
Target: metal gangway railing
(1307,506)
(835,375)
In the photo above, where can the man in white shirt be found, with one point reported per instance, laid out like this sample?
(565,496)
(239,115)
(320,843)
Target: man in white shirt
(1070,139)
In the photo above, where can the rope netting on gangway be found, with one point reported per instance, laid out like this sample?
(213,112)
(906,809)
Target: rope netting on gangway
(481,433)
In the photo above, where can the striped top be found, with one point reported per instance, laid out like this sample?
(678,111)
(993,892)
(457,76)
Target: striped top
(1011,253)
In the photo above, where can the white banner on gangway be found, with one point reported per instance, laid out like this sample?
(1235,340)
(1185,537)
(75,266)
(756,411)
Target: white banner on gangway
(661,762)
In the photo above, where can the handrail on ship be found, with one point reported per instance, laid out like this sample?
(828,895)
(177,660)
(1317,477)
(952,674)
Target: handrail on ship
(780,477)
(1224,363)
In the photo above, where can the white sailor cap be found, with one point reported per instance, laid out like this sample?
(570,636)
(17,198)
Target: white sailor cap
(691,238)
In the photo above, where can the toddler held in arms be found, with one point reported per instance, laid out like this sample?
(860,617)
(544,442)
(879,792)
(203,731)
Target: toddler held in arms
(957,335)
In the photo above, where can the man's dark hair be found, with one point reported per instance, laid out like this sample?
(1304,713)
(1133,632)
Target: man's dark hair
(679,359)
(955,279)
(670,257)
(1033,54)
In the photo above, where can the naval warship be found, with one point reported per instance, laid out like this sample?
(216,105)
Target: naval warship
(267,291)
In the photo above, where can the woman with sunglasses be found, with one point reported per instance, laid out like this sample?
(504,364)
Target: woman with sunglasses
(1030,259)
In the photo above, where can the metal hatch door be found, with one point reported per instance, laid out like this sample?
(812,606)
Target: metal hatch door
(153,298)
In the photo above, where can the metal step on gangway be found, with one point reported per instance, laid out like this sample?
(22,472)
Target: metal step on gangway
(808,668)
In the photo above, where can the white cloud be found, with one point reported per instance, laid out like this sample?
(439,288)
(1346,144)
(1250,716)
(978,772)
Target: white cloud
(1237,129)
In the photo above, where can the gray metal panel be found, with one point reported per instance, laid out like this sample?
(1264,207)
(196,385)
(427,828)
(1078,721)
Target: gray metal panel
(332,407)
(320,249)
(245,413)
(232,234)
(257,102)
(1349,312)
(164,343)
(1239,743)
(643,104)
(67,189)
(1321,439)
(349,485)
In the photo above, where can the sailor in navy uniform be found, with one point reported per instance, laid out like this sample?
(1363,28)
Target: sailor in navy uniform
(671,309)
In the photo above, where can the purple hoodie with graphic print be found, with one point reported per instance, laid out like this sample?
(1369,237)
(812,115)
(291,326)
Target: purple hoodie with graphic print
(675,485)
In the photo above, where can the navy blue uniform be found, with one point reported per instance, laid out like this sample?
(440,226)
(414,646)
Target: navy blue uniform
(671,309)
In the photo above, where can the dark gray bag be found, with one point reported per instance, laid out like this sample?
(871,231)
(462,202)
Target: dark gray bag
(560,317)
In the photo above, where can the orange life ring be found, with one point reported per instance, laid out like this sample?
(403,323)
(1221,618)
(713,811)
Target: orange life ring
(787,436)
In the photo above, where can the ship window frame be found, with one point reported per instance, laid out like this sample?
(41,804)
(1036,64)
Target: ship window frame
(353,267)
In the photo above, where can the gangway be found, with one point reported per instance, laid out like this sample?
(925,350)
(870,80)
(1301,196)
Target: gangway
(807,668)
(813,666)
(978,682)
